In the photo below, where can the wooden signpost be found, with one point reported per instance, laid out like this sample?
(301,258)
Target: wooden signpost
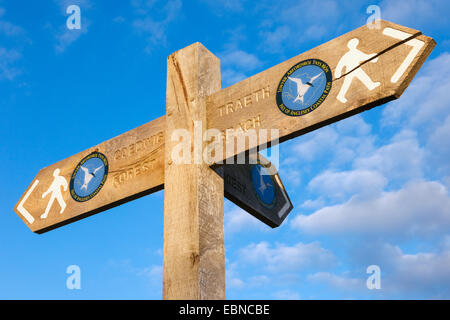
(347,75)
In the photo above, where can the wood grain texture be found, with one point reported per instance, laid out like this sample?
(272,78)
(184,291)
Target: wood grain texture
(251,103)
(194,260)
(136,168)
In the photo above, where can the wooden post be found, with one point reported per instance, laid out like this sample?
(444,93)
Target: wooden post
(194,259)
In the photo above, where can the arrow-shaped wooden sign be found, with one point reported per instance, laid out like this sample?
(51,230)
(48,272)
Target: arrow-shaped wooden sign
(120,170)
(256,187)
(109,174)
(347,75)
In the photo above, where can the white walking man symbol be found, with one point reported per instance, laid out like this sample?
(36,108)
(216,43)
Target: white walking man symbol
(55,189)
(351,61)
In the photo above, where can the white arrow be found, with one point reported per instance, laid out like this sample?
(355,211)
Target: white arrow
(416,44)
(24,212)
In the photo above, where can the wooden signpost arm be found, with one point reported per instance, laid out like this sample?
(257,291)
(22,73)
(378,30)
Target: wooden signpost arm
(386,59)
(194,259)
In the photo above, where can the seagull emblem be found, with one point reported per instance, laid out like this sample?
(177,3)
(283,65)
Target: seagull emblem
(88,176)
(262,185)
(302,88)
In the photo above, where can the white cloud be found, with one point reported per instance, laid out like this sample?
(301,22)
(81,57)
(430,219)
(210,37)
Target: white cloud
(446,181)
(153,272)
(421,272)
(8,59)
(287,258)
(318,143)
(119,19)
(290,173)
(354,126)
(274,39)
(339,185)
(340,282)
(415,13)
(286,295)
(424,105)
(220,5)
(147,24)
(261,280)
(65,37)
(424,275)
(401,159)
(10,30)
(236,63)
(63,4)
(232,277)
(315,31)
(239,59)
(290,23)
(420,209)
(234,283)
(237,219)
(313,204)
(446,243)
(340,143)
(231,76)
(437,148)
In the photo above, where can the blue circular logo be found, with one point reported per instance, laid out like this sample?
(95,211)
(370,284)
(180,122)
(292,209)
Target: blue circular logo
(89,177)
(304,87)
(263,185)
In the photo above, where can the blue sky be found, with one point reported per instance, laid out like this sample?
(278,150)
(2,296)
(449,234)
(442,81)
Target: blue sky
(369,190)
